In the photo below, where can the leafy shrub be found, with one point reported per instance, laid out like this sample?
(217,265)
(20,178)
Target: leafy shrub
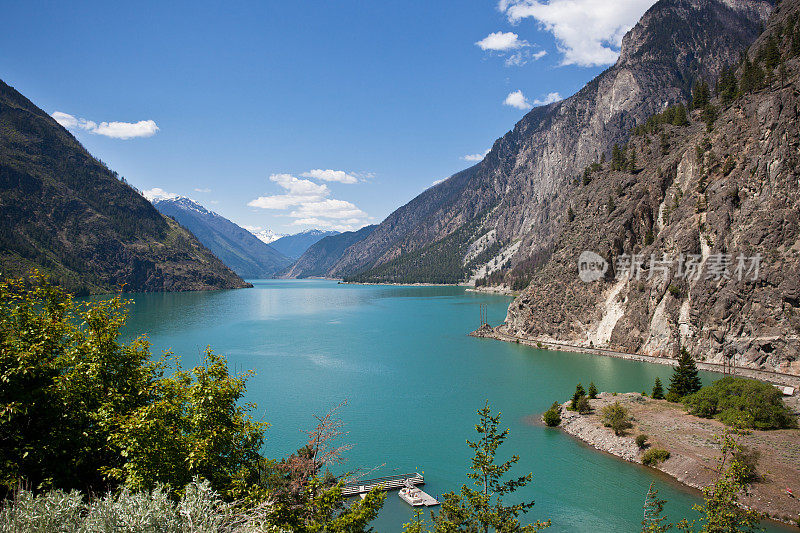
(592,391)
(641,441)
(552,417)
(617,417)
(583,406)
(746,460)
(653,456)
(742,402)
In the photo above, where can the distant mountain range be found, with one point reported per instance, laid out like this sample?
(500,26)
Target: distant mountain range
(320,257)
(295,245)
(267,235)
(65,213)
(238,248)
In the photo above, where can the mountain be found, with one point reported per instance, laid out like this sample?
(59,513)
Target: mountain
(67,214)
(503,210)
(295,245)
(720,192)
(242,251)
(321,256)
(267,235)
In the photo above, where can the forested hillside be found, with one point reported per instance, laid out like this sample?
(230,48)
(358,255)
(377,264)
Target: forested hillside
(67,214)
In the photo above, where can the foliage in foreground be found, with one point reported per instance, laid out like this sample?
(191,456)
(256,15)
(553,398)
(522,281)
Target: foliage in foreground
(719,511)
(82,413)
(653,456)
(483,508)
(741,402)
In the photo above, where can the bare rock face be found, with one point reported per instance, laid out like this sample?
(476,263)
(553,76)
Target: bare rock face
(527,177)
(724,197)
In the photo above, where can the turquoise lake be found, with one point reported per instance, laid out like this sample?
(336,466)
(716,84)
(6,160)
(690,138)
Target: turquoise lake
(413,380)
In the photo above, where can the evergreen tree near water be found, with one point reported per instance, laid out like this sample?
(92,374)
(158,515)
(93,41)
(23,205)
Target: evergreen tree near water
(684,379)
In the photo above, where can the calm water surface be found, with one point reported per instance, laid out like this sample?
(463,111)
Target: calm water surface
(413,380)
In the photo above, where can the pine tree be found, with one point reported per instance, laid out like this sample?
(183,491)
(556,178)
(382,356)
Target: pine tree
(617,158)
(684,379)
(701,95)
(632,160)
(577,395)
(658,390)
(483,508)
(592,391)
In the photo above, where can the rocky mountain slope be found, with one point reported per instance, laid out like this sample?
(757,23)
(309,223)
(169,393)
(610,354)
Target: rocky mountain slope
(529,173)
(322,255)
(294,246)
(240,250)
(698,239)
(65,213)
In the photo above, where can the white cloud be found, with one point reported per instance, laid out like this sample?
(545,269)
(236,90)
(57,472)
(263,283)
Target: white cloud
(475,157)
(551,98)
(115,130)
(203,190)
(588,32)
(330,175)
(518,100)
(509,44)
(501,42)
(310,203)
(156,193)
(328,208)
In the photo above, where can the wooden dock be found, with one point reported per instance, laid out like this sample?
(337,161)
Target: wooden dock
(384,483)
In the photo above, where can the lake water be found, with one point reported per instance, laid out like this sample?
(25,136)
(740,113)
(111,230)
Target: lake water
(413,380)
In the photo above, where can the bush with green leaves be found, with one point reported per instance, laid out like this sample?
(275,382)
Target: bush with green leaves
(641,441)
(654,456)
(592,393)
(583,406)
(617,417)
(84,411)
(741,402)
(552,417)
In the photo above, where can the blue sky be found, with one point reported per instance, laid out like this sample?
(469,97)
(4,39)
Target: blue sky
(291,115)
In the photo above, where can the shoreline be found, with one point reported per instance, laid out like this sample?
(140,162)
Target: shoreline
(769,376)
(692,460)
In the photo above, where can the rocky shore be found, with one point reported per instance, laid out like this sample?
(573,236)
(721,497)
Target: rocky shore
(694,449)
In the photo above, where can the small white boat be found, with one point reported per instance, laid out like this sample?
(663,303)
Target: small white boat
(412,497)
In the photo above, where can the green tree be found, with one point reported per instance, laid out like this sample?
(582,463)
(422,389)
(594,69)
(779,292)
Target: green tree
(66,384)
(632,159)
(654,519)
(727,85)
(617,158)
(592,391)
(579,393)
(720,511)
(616,417)
(192,426)
(483,508)
(701,95)
(658,390)
(685,379)
(552,417)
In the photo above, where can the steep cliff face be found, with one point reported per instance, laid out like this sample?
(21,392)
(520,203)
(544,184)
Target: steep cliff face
(724,198)
(527,176)
(67,214)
